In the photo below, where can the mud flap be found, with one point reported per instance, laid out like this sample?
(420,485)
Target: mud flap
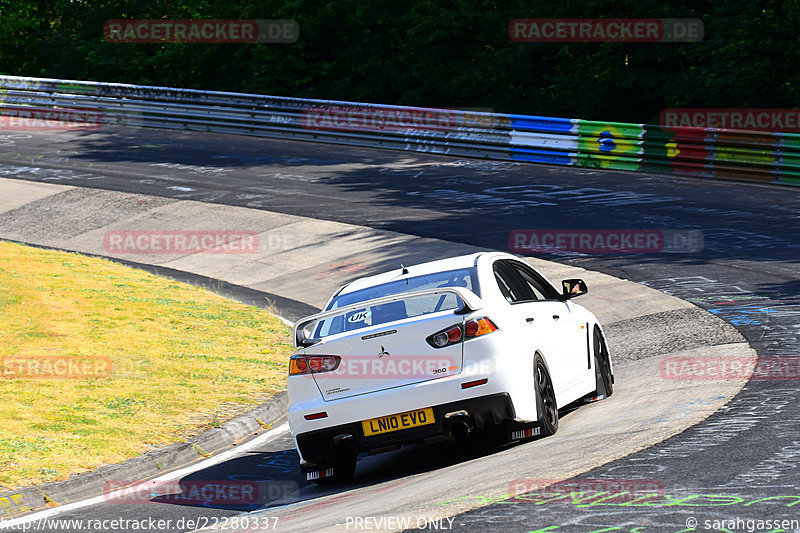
(601,392)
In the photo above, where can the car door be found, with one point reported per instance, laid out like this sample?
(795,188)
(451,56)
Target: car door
(535,322)
(567,335)
(570,328)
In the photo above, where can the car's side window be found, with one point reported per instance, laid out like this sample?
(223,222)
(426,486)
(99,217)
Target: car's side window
(532,284)
(540,287)
(511,286)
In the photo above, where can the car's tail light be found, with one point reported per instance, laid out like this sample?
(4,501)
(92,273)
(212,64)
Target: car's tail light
(445,337)
(313,364)
(478,326)
(473,328)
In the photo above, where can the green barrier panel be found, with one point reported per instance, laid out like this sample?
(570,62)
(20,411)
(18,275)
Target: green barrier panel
(789,173)
(789,144)
(614,145)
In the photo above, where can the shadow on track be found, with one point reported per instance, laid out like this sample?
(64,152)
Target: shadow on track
(263,480)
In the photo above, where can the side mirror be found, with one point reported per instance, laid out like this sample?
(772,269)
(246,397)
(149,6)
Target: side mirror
(570,288)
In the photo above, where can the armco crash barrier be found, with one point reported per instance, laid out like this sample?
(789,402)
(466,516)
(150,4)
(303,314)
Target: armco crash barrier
(704,152)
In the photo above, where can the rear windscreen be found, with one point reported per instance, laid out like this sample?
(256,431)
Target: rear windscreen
(399,310)
(465,277)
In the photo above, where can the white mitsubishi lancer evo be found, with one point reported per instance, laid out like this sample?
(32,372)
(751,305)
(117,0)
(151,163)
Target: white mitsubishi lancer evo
(480,342)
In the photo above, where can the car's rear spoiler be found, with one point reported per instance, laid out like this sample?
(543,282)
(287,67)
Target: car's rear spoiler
(470,300)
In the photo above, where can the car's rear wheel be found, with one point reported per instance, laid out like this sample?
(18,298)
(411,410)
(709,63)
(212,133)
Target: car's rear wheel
(602,364)
(545,398)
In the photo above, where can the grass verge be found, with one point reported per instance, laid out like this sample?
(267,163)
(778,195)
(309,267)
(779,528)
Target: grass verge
(100,362)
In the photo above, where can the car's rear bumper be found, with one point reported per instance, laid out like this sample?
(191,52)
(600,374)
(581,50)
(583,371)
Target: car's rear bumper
(320,446)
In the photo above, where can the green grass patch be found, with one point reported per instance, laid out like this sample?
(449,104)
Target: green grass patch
(178,357)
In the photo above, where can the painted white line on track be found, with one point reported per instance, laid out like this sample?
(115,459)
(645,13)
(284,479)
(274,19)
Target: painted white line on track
(238,450)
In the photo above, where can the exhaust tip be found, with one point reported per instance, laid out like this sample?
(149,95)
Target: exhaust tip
(461,427)
(345,441)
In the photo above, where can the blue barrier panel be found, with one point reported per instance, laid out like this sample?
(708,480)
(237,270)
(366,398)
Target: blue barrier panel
(546,124)
(540,156)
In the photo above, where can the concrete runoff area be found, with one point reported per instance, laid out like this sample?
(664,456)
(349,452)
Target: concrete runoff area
(307,259)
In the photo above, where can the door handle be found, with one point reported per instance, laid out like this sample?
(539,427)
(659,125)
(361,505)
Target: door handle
(529,320)
(556,317)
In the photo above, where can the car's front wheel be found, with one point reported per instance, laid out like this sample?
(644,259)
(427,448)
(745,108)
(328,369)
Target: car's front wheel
(545,398)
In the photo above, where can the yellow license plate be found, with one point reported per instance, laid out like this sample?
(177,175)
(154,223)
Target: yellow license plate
(386,424)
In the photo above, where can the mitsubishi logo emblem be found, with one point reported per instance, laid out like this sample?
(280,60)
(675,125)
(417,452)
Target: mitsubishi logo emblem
(383,352)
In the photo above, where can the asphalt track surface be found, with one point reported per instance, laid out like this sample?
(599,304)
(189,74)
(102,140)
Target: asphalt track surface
(739,464)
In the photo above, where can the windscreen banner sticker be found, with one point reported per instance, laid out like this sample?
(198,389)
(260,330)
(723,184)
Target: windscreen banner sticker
(360,316)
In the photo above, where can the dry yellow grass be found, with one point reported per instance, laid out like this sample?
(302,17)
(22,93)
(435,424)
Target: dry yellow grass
(182,359)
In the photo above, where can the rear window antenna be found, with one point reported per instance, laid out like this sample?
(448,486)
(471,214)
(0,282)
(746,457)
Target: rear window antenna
(404,271)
